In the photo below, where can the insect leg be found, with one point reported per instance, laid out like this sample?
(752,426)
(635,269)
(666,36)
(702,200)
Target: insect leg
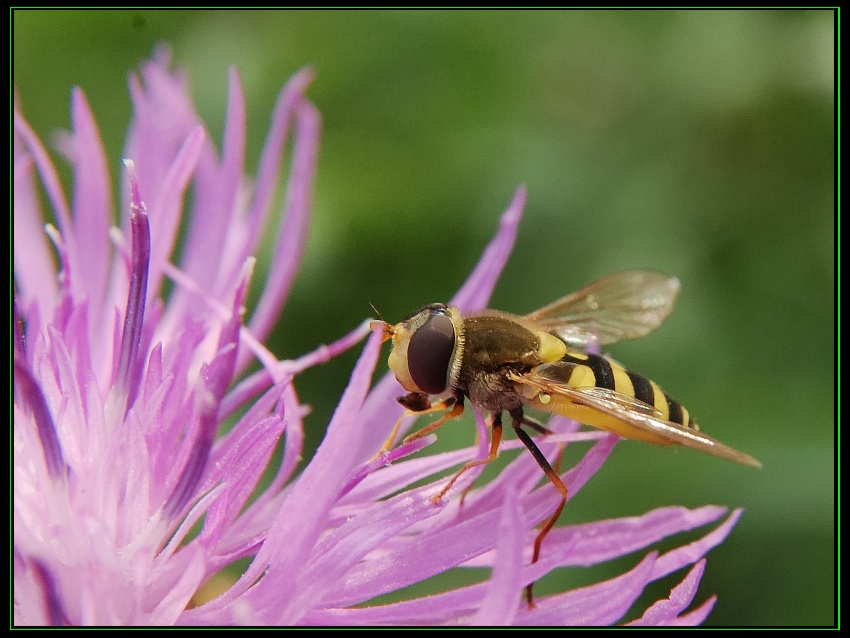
(456,406)
(493,454)
(517,420)
(413,410)
(535,424)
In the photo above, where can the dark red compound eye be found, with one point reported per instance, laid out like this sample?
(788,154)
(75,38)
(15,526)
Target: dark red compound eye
(429,354)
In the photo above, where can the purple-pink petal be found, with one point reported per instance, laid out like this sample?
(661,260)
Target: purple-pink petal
(601,604)
(690,553)
(453,537)
(166,205)
(542,502)
(163,117)
(383,460)
(346,546)
(293,231)
(32,397)
(216,378)
(293,446)
(272,154)
(302,514)
(501,601)
(129,362)
(695,617)
(92,203)
(51,599)
(49,177)
(63,393)
(386,480)
(185,575)
(308,503)
(239,470)
(381,411)
(208,258)
(35,272)
(593,543)
(668,610)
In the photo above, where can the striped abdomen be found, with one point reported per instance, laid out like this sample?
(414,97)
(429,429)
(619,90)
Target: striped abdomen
(594,370)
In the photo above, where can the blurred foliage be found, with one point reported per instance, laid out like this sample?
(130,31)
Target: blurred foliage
(700,143)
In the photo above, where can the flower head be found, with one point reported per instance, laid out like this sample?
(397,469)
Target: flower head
(128,495)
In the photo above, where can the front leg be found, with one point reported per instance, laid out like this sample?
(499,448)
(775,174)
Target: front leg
(454,408)
(417,403)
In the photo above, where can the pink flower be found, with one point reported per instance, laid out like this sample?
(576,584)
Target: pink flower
(128,496)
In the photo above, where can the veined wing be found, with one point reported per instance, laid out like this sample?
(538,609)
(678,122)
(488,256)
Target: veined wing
(625,305)
(632,412)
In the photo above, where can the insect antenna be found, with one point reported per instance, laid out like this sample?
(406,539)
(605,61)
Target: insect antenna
(377,312)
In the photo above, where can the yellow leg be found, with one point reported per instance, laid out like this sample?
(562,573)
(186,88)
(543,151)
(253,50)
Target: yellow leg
(494,453)
(456,410)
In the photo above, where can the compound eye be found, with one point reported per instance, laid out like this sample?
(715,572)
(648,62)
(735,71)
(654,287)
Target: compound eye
(429,354)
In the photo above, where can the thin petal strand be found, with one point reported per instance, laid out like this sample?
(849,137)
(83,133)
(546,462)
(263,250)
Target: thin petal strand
(92,203)
(502,599)
(668,610)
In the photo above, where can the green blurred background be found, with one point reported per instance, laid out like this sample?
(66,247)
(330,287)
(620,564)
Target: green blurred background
(698,143)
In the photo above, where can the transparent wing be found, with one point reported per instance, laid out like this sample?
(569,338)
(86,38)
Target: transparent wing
(636,414)
(616,399)
(625,305)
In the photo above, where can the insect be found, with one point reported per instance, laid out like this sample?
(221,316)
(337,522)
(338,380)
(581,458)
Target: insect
(503,363)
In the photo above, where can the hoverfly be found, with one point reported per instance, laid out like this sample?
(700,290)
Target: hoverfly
(503,362)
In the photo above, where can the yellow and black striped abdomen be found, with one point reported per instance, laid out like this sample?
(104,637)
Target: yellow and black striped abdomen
(591,370)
